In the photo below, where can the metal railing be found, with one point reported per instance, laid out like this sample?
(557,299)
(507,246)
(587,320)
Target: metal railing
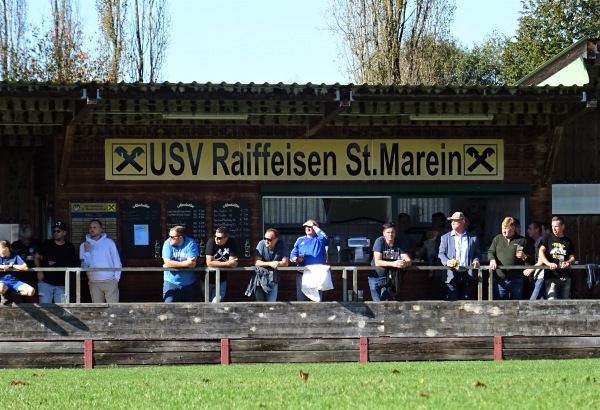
(345,270)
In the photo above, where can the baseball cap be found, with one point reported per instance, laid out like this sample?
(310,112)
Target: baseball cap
(60,225)
(457,215)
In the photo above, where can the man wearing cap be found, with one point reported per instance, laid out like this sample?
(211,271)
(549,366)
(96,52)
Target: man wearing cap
(459,251)
(55,253)
(308,250)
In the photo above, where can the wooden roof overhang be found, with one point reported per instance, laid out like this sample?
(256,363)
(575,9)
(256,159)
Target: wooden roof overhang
(33,112)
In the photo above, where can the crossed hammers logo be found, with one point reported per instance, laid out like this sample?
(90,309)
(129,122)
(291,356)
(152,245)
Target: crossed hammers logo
(480,159)
(129,159)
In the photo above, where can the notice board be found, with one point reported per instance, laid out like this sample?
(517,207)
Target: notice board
(140,229)
(83,212)
(235,215)
(191,215)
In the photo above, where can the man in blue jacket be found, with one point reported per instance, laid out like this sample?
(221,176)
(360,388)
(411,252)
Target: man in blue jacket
(308,250)
(459,251)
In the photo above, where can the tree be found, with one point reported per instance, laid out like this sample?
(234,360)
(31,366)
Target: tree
(113,16)
(13,42)
(545,29)
(393,41)
(150,35)
(59,53)
(482,65)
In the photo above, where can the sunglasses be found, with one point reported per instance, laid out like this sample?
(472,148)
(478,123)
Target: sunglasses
(56,231)
(268,239)
(174,237)
(218,238)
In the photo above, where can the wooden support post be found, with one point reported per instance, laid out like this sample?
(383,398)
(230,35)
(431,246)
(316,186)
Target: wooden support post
(364,350)
(88,354)
(497,347)
(224,351)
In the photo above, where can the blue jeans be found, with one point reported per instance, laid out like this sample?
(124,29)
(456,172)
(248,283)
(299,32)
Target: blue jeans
(539,291)
(508,289)
(212,293)
(378,288)
(177,293)
(50,293)
(262,296)
(460,287)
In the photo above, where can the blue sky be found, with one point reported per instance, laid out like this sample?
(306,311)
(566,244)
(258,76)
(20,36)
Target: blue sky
(287,40)
(280,40)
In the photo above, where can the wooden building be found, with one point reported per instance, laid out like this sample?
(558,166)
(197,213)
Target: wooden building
(142,157)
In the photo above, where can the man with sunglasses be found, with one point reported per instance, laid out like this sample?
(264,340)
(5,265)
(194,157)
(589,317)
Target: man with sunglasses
(221,252)
(181,252)
(54,253)
(270,254)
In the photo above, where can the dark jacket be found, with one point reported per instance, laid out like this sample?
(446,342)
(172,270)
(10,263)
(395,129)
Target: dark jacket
(504,251)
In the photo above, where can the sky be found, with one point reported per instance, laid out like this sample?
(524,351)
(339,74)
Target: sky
(287,41)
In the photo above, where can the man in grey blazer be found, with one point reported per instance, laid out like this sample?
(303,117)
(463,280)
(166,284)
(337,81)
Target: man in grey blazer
(459,250)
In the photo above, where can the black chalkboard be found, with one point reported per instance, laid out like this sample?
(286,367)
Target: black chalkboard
(140,229)
(235,215)
(190,215)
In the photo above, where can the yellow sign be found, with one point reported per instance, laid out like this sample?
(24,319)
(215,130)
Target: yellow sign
(299,160)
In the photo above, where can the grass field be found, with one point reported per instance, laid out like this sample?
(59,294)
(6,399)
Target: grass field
(566,384)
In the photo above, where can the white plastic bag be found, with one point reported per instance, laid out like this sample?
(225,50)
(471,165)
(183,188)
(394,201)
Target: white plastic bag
(314,279)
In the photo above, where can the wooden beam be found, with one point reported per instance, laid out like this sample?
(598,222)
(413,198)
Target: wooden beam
(332,110)
(559,131)
(69,131)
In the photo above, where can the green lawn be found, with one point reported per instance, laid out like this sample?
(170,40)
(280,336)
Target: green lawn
(565,384)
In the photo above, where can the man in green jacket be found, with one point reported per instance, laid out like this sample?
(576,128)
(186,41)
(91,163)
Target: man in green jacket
(508,249)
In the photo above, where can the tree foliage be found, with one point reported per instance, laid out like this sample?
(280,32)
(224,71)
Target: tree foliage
(129,43)
(482,64)
(150,28)
(394,41)
(112,15)
(13,40)
(545,29)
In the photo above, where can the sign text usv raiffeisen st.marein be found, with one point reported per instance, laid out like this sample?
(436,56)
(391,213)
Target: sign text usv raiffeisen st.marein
(284,160)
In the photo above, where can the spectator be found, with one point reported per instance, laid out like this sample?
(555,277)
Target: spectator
(534,230)
(25,247)
(406,242)
(221,252)
(459,250)
(99,251)
(270,254)
(54,253)
(308,250)
(9,263)
(384,284)
(438,225)
(557,252)
(179,251)
(508,248)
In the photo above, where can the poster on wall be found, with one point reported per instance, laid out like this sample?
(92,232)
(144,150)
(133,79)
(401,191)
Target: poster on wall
(141,235)
(235,215)
(83,212)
